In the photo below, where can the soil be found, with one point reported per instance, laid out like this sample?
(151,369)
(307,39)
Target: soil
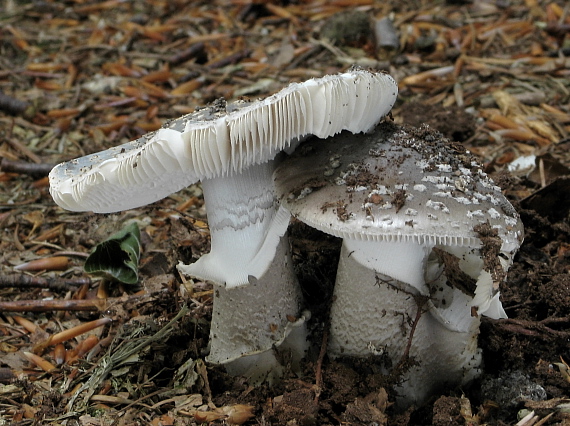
(77,77)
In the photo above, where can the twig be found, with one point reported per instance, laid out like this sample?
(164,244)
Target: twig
(230,60)
(72,253)
(187,54)
(533,328)
(24,150)
(139,401)
(310,53)
(28,281)
(75,304)
(25,168)
(203,372)
(57,305)
(319,368)
(420,302)
(12,105)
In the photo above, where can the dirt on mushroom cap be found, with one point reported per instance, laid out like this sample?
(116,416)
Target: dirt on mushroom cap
(396,184)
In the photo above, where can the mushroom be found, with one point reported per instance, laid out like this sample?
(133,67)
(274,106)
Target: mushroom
(230,148)
(427,239)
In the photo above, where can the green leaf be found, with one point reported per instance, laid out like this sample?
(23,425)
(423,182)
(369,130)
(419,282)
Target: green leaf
(117,258)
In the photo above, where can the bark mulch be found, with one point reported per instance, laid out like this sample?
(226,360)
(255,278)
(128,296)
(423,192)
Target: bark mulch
(80,76)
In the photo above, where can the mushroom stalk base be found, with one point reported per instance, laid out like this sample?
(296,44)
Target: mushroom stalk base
(257,300)
(443,357)
(256,329)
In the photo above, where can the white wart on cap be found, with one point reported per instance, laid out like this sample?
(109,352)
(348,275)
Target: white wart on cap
(418,216)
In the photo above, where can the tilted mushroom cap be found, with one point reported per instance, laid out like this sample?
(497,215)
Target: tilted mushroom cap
(220,140)
(402,185)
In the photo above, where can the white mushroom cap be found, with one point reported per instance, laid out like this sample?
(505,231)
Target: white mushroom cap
(402,185)
(221,140)
(394,185)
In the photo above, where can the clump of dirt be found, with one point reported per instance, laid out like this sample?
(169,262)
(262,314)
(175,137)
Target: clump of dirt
(447,411)
(399,199)
(348,28)
(361,177)
(453,122)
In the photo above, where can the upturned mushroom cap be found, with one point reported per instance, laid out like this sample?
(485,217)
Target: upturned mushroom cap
(403,185)
(220,140)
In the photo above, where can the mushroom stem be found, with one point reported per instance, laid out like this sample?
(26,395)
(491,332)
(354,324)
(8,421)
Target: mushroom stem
(379,293)
(403,261)
(257,296)
(366,270)
(418,217)
(245,224)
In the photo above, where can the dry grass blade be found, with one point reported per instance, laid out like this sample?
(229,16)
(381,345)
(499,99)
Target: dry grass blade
(128,346)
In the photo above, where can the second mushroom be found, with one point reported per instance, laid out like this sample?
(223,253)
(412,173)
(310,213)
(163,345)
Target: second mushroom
(427,240)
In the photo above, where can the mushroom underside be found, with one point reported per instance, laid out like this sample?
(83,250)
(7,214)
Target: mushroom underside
(219,140)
